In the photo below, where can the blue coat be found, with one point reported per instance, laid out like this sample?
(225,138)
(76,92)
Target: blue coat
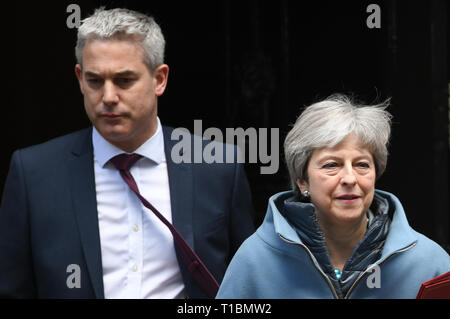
(48,218)
(274,263)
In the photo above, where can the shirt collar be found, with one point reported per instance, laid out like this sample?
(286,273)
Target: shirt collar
(152,149)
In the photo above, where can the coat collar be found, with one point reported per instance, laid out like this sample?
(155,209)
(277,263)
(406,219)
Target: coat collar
(152,149)
(400,235)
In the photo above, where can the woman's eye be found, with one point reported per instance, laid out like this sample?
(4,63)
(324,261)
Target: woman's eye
(330,165)
(363,165)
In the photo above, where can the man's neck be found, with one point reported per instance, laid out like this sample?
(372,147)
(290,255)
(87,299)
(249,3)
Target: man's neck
(132,144)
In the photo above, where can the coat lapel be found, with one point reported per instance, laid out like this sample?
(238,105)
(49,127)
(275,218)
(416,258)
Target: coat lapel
(81,170)
(181,191)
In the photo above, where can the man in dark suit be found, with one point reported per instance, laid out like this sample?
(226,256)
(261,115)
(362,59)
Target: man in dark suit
(70,227)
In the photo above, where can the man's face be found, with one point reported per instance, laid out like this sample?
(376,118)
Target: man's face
(120,93)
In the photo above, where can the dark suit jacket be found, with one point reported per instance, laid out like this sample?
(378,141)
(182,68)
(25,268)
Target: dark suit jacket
(48,218)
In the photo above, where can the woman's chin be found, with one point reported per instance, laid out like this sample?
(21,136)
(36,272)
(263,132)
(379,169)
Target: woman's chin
(348,216)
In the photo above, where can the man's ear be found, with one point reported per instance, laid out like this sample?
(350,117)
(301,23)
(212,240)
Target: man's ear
(160,77)
(79,74)
(302,185)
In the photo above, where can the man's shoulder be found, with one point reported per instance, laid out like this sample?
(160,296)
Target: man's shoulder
(58,145)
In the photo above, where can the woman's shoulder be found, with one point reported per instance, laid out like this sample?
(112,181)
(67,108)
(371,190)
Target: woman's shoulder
(404,233)
(430,249)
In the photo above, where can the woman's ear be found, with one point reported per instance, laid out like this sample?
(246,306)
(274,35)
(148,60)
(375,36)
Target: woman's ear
(302,185)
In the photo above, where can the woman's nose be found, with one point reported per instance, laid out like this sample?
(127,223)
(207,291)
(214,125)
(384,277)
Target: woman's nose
(348,176)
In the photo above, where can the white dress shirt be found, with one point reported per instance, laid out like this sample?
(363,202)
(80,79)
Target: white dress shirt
(138,253)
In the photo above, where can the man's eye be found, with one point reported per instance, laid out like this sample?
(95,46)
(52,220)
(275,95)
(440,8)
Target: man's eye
(125,80)
(94,81)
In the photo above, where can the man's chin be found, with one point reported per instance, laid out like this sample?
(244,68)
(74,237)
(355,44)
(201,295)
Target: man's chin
(114,134)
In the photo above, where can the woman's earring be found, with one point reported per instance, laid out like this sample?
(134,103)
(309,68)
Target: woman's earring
(306,194)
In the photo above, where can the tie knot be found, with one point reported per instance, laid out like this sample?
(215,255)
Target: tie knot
(123,162)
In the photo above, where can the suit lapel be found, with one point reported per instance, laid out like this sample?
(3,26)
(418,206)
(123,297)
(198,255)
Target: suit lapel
(82,182)
(181,191)
(81,170)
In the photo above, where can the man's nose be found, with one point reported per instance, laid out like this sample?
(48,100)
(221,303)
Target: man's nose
(110,94)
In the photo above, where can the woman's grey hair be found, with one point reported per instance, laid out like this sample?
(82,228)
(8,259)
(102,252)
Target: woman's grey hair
(329,122)
(123,23)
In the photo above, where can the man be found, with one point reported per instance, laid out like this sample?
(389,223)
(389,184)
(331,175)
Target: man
(70,227)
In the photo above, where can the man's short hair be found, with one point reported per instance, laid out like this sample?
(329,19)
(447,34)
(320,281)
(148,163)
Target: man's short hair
(123,24)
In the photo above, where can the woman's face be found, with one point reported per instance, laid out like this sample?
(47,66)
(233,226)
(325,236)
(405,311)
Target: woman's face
(341,181)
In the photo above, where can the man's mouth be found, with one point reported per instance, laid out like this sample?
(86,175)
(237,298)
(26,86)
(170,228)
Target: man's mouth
(108,115)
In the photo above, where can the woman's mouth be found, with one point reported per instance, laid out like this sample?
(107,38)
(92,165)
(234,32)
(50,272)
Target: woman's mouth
(348,198)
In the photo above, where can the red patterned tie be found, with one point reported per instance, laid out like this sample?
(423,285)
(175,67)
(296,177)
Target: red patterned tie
(201,274)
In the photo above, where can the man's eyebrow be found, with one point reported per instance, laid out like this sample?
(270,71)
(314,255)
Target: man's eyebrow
(90,74)
(126,73)
(118,74)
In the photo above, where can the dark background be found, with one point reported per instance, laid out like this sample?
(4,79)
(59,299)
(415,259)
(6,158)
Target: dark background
(255,64)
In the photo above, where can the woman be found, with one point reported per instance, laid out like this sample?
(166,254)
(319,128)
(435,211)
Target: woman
(334,235)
